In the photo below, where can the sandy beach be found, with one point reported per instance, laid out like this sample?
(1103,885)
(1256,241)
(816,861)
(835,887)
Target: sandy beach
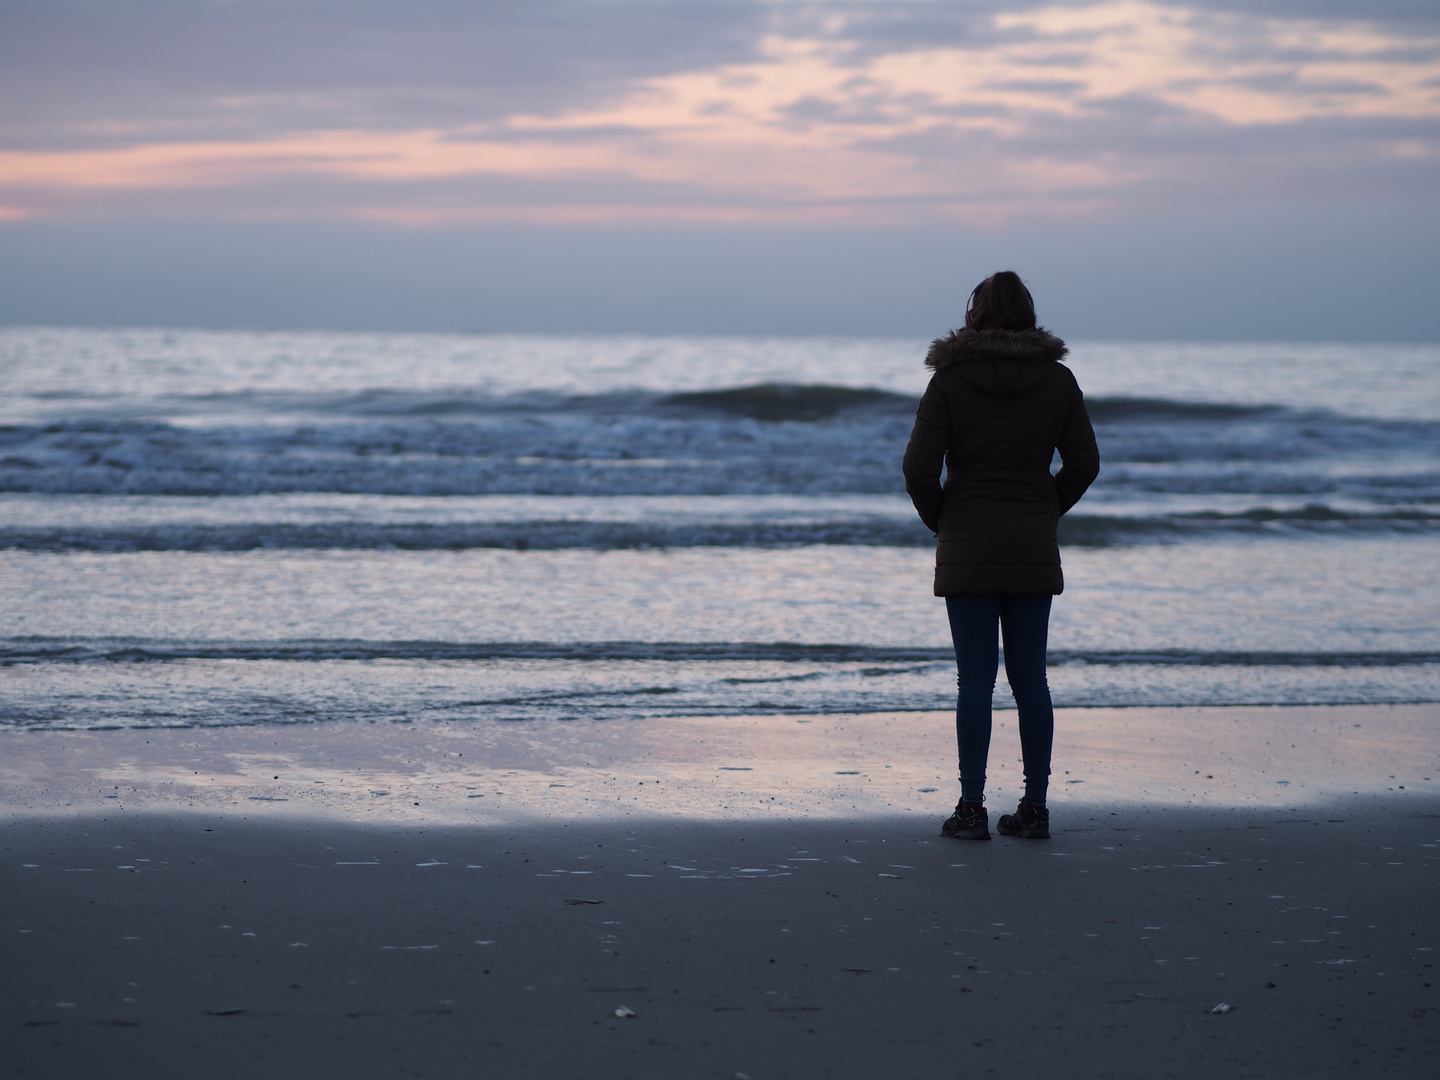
(769,898)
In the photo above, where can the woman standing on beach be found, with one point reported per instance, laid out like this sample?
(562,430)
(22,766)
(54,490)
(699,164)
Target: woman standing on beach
(997,408)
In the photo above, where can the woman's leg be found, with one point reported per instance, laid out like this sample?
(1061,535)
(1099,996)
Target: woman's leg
(977,658)
(1025,623)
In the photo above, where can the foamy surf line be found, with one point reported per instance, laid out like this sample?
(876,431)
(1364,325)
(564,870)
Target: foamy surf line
(34,650)
(60,684)
(559,535)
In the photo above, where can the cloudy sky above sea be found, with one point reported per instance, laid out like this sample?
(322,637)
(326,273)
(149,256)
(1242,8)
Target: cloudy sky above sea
(720,165)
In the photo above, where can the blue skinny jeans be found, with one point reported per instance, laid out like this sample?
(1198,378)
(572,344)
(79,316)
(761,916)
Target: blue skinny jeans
(1025,623)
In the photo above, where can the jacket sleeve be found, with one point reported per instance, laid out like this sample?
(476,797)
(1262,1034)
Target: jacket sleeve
(1079,456)
(925,455)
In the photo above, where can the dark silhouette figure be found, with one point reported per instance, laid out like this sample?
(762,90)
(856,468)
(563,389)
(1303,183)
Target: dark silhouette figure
(997,408)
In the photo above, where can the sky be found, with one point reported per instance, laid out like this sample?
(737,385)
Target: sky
(1211,170)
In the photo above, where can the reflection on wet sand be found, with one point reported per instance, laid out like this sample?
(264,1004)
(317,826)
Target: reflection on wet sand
(759,767)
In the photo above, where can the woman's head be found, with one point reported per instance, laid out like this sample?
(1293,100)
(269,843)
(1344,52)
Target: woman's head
(1000,302)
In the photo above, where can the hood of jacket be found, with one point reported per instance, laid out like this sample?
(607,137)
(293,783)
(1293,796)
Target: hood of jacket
(1002,362)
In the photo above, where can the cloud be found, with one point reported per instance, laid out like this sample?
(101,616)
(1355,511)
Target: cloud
(85,71)
(561,110)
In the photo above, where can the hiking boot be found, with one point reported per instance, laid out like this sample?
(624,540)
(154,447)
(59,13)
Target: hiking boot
(968,822)
(1029,822)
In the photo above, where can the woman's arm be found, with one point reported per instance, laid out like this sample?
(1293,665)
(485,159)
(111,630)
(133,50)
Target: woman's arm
(925,455)
(1079,456)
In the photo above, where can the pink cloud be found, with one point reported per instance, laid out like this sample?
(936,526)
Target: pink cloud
(813,128)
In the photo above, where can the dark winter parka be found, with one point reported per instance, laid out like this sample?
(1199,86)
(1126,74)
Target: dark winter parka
(999,405)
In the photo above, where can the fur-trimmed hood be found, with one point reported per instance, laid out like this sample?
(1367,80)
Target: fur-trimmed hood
(1003,362)
(987,346)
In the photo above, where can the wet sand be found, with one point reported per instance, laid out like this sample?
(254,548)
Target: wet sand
(718,768)
(198,928)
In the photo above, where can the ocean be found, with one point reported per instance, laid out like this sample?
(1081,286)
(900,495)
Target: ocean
(222,528)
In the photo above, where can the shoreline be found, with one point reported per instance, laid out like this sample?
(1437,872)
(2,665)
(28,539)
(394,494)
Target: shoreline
(833,766)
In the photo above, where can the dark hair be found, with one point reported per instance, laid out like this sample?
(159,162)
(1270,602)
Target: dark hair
(1000,302)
